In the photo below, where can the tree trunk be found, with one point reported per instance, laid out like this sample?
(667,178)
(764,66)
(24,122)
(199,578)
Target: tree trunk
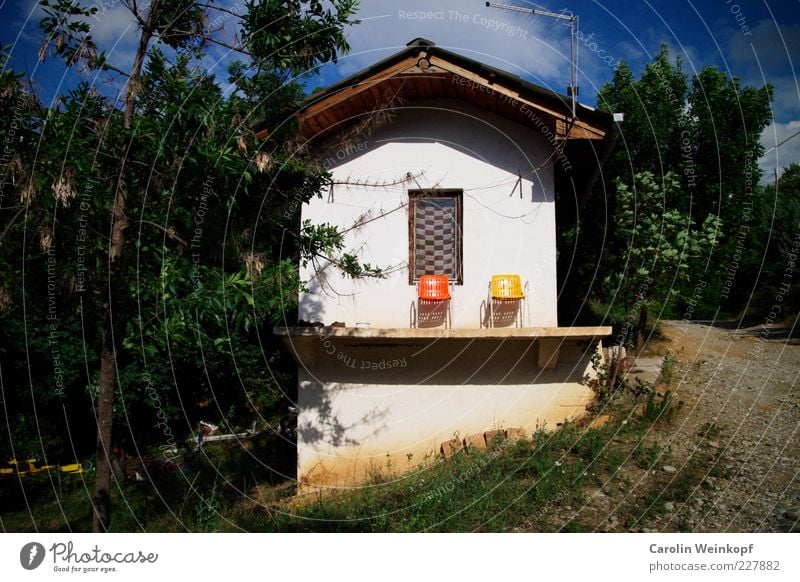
(101,517)
(641,328)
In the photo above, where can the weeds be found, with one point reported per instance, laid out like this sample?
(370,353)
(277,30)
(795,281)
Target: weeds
(208,508)
(667,368)
(527,481)
(647,457)
(710,430)
(610,383)
(661,409)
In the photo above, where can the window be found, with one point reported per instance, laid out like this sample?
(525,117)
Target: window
(435,232)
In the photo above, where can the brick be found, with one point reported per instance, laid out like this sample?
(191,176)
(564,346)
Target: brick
(515,434)
(451,447)
(475,441)
(493,437)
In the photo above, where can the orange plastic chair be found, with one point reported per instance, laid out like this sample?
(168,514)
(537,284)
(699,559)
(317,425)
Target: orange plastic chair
(506,288)
(434,288)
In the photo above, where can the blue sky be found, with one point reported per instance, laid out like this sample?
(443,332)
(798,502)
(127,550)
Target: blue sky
(756,40)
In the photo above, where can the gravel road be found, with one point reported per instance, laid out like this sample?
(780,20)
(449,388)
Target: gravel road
(740,389)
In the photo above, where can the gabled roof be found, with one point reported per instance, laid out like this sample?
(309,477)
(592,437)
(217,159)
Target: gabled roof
(424,71)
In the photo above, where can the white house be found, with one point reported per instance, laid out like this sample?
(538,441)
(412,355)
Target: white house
(441,166)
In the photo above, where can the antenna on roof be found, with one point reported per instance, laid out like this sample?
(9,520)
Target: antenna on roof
(573,49)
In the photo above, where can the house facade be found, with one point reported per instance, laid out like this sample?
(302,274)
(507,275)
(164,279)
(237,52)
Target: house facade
(441,166)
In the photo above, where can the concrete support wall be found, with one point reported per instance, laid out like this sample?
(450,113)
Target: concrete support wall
(365,407)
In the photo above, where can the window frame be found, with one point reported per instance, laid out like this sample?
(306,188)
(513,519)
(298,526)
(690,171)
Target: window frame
(428,193)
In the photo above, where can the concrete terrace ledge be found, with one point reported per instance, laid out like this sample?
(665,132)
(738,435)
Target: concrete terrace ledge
(307,344)
(393,333)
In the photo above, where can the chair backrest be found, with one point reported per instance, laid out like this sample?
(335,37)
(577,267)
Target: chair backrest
(434,287)
(507,287)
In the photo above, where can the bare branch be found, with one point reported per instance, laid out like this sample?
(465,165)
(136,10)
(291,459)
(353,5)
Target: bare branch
(370,184)
(11,222)
(231,12)
(106,66)
(133,8)
(226,45)
(171,235)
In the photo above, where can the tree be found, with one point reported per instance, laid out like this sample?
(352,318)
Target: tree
(655,117)
(173,132)
(703,131)
(652,249)
(723,142)
(771,247)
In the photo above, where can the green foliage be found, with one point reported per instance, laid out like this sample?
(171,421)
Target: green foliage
(770,248)
(661,408)
(726,124)
(208,507)
(608,383)
(667,368)
(67,32)
(697,138)
(654,247)
(654,117)
(315,34)
(214,241)
(646,457)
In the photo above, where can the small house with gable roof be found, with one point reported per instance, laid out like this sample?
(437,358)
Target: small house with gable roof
(448,174)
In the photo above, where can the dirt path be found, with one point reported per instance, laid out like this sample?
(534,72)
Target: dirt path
(740,388)
(729,459)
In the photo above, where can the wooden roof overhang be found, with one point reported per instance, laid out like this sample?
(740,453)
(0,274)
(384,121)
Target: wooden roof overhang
(424,71)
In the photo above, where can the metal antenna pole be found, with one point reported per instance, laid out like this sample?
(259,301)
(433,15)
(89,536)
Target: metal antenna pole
(573,61)
(573,49)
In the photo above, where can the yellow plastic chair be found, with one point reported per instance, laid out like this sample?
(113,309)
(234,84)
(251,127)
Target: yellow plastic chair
(507,288)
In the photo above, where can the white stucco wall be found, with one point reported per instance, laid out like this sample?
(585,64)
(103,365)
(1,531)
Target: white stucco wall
(364,409)
(452,145)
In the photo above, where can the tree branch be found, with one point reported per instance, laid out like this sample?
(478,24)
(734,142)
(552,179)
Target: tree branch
(171,235)
(11,222)
(133,8)
(228,46)
(231,12)
(108,67)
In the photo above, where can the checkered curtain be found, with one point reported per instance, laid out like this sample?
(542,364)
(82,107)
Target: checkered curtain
(435,242)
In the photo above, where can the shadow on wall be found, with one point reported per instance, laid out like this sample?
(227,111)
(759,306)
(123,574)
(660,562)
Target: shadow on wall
(501,313)
(483,136)
(386,368)
(310,307)
(327,427)
(427,314)
(494,362)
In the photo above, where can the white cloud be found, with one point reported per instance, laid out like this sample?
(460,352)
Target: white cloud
(783,155)
(765,56)
(532,47)
(770,45)
(113,26)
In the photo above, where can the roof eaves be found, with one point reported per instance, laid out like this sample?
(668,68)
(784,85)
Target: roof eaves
(495,74)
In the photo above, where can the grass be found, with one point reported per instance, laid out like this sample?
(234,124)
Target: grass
(668,368)
(196,495)
(480,491)
(710,430)
(546,483)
